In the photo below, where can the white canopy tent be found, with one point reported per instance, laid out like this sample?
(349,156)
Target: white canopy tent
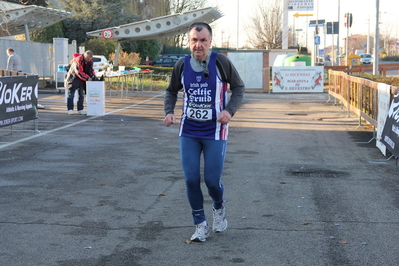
(18,19)
(157,27)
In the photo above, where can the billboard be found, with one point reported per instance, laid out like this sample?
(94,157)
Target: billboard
(18,99)
(298,79)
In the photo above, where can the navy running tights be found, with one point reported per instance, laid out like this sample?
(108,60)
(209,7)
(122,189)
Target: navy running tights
(214,153)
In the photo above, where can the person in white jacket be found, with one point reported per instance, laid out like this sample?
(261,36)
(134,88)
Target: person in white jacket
(14,62)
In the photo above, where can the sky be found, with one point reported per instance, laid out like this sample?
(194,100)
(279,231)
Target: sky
(362,11)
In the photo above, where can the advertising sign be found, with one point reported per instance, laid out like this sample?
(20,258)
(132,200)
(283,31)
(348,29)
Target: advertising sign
(300,5)
(18,99)
(298,79)
(390,133)
(95,97)
(383,106)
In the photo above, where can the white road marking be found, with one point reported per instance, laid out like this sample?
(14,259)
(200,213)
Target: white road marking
(73,124)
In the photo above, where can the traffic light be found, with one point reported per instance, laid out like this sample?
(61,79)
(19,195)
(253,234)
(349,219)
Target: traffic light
(348,20)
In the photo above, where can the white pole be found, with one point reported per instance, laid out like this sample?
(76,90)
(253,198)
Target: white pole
(285,25)
(347,39)
(376,38)
(332,43)
(316,49)
(339,23)
(238,22)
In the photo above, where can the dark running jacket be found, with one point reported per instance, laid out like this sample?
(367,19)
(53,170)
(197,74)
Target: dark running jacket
(79,72)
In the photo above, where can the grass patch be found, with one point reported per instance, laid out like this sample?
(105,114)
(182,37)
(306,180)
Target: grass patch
(157,83)
(160,79)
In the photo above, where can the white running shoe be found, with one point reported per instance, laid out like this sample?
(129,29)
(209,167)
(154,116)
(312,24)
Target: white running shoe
(81,112)
(70,112)
(201,232)
(219,220)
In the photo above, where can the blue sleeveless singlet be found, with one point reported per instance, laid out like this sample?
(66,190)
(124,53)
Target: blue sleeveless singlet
(204,99)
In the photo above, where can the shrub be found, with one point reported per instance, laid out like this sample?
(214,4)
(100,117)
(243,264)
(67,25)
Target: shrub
(126,59)
(381,79)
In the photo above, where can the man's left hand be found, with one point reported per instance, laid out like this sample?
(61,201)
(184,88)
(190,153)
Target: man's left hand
(224,117)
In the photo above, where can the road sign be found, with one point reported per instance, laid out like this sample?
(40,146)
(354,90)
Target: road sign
(107,34)
(300,5)
(312,23)
(302,15)
(332,27)
(317,40)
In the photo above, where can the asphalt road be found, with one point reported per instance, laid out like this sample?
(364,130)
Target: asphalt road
(108,190)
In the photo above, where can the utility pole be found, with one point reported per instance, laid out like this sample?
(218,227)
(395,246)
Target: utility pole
(339,23)
(376,37)
(285,25)
(238,22)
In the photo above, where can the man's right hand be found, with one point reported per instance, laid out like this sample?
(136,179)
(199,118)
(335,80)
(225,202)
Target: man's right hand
(170,119)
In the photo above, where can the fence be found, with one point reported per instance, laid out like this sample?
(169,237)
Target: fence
(360,69)
(359,95)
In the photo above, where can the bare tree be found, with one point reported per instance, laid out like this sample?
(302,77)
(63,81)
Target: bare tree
(265,27)
(179,6)
(388,36)
(149,9)
(4,19)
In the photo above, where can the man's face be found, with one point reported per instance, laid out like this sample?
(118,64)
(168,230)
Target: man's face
(87,57)
(200,42)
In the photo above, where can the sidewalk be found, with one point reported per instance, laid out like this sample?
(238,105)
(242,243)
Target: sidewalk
(300,188)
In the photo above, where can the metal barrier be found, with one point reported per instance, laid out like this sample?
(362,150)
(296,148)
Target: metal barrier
(122,81)
(359,95)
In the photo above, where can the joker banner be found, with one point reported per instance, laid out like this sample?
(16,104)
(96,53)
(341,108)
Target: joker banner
(18,99)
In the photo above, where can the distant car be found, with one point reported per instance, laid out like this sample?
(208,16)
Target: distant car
(174,55)
(366,59)
(165,62)
(327,58)
(99,62)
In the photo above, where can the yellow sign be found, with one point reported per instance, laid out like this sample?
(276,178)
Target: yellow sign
(302,15)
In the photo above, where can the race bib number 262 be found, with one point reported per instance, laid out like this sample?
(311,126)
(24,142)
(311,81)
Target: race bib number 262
(199,111)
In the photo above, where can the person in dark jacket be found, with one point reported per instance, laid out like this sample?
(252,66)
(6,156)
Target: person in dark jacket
(81,70)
